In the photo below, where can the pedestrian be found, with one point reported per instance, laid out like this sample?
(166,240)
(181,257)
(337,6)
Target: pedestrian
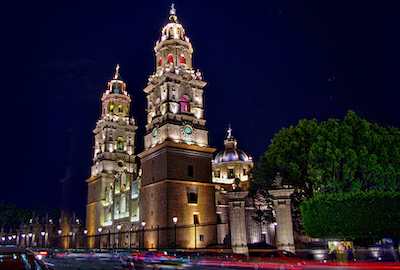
(333,254)
(342,255)
(350,254)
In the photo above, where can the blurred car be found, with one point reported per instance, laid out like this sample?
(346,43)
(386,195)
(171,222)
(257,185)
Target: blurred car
(383,253)
(275,256)
(317,251)
(13,258)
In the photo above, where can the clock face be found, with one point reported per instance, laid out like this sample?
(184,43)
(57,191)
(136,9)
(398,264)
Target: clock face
(120,163)
(155,132)
(188,130)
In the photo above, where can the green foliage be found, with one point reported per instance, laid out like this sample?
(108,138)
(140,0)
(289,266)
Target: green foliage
(331,157)
(372,214)
(334,156)
(11,216)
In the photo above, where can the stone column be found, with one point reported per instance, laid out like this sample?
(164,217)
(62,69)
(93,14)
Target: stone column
(284,228)
(238,221)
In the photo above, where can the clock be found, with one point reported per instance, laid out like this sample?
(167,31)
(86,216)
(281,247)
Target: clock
(188,130)
(155,132)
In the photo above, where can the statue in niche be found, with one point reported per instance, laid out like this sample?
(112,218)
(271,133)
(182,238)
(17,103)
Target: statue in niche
(237,182)
(117,206)
(135,190)
(110,193)
(109,214)
(123,203)
(116,184)
(107,195)
(278,179)
(123,178)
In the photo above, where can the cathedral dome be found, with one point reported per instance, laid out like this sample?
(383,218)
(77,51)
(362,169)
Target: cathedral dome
(231,152)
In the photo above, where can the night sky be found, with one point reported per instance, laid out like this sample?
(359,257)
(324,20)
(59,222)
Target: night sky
(268,64)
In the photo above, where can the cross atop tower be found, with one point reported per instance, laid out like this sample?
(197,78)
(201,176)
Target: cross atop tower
(229,131)
(116,72)
(172,14)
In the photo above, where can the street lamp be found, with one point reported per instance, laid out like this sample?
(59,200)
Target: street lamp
(43,233)
(99,230)
(30,240)
(143,224)
(119,235)
(175,220)
(59,237)
(85,232)
(69,239)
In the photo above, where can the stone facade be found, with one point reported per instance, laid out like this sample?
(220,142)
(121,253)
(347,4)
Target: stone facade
(112,202)
(181,197)
(176,161)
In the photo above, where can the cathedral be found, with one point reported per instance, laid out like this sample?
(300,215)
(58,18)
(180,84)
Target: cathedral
(175,193)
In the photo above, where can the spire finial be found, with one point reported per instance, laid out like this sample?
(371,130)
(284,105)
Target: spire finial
(116,71)
(229,131)
(172,14)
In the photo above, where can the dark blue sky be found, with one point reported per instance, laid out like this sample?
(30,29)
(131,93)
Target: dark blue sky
(268,64)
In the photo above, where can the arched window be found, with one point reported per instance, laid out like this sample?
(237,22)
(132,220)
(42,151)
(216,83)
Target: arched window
(111,108)
(170,58)
(120,108)
(160,62)
(158,106)
(183,60)
(185,106)
(120,144)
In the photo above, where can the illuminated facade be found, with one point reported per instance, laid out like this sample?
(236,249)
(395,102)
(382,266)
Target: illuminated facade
(113,188)
(236,211)
(176,162)
(232,163)
(182,197)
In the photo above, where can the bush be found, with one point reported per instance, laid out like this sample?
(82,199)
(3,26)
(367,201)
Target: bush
(353,215)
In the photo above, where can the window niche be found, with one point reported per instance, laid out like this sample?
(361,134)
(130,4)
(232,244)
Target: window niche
(120,144)
(231,173)
(192,193)
(190,171)
(185,104)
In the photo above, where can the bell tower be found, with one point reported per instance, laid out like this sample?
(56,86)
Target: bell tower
(111,201)
(176,161)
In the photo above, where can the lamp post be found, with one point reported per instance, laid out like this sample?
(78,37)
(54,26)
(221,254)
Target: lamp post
(69,239)
(23,239)
(84,237)
(30,240)
(59,237)
(175,220)
(119,236)
(43,233)
(99,230)
(143,225)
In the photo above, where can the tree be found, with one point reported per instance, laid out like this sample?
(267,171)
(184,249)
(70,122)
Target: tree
(11,216)
(334,156)
(331,156)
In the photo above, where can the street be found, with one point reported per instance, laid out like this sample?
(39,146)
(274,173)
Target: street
(90,264)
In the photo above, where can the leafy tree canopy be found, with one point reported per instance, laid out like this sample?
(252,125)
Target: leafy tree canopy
(372,214)
(333,156)
(11,216)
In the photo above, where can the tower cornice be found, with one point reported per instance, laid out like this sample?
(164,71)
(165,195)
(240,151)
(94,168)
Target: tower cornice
(155,81)
(167,44)
(182,146)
